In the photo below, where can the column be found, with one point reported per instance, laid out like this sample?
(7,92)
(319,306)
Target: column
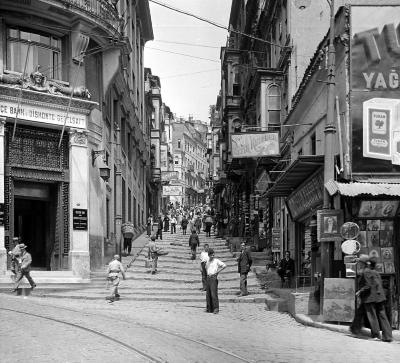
(3,251)
(79,258)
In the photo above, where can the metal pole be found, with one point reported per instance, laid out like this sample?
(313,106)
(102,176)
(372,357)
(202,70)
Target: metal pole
(330,130)
(118,192)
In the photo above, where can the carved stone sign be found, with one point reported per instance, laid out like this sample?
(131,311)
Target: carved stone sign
(42,115)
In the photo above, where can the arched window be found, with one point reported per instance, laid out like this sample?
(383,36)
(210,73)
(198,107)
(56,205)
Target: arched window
(179,144)
(274,105)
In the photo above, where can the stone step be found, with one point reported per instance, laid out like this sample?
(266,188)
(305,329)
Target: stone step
(47,277)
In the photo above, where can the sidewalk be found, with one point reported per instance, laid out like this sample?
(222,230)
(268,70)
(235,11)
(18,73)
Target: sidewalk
(282,300)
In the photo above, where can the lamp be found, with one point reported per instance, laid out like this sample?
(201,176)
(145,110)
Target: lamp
(96,154)
(105,172)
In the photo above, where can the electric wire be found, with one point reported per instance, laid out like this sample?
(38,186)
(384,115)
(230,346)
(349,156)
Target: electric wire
(230,29)
(182,54)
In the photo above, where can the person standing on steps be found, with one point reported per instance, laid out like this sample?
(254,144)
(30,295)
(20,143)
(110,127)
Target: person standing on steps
(244,264)
(193,243)
(166,223)
(203,260)
(113,270)
(173,225)
(213,268)
(208,224)
(153,254)
(198,223)
(184,224)
(25,261)
(159,227)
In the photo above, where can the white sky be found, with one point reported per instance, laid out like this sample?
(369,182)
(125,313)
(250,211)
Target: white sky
(188,85)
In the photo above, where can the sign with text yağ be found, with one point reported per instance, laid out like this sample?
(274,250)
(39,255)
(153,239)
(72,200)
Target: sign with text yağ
(375,88)
(42,114)
(255,144)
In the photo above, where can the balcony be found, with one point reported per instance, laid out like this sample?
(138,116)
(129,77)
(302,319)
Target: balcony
(101,15)
(156,175)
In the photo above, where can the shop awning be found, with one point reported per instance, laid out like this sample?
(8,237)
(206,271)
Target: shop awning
(357,188)
(294,175)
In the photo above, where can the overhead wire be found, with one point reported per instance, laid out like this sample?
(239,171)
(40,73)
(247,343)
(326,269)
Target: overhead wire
(211,22)
(182,54)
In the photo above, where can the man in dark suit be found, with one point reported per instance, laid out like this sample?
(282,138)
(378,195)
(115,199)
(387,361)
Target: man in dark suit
(244,263)
(286,269)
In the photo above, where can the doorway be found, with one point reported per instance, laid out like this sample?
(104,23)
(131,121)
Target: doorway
(34,220)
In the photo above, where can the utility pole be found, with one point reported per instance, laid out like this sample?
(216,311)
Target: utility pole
(330,131)
(118,192)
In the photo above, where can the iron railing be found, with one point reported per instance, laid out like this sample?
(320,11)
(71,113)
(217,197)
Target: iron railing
(101,10)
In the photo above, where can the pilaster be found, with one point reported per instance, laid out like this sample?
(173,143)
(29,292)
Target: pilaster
(3,251)
(79,257)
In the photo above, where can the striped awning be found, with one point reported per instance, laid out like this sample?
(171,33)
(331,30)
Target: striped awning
(357,188)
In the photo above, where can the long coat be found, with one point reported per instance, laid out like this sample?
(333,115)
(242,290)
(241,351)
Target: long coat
(244,262)
(371,290)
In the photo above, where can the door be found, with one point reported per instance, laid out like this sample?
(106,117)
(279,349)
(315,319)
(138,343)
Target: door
(34,220)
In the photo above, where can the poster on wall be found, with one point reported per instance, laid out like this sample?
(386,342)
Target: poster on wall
(375,85)
(339,302)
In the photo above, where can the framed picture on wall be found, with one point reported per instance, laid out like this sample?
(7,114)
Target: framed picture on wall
(329,222)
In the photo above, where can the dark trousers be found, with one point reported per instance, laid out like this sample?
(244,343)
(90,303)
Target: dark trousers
(358,320)
(212,294)
(193,249)
(173,228)
(20,275)
(243,284)
(378,320)
(128,245)
(184,230)
(204,275)
(159,233)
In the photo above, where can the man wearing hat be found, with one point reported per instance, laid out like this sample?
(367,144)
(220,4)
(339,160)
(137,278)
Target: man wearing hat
(24,269)
(114,269)
(14,256)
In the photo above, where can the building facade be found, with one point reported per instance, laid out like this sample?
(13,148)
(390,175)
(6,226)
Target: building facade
(73,142)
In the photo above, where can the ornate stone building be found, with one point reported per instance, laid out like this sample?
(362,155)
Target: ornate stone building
(74,144)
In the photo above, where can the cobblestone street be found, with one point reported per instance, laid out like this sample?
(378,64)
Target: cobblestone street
(169,332)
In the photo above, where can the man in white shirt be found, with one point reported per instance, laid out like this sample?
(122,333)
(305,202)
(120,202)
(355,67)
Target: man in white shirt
(213,268)
(203,261)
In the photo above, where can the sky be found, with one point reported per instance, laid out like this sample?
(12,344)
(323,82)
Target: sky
(188,85)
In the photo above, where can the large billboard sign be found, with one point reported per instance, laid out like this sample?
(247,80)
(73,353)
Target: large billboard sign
(172,190)
(255,144)
(375,88)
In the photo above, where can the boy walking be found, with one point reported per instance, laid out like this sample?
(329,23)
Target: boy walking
(114,269)
(25,259)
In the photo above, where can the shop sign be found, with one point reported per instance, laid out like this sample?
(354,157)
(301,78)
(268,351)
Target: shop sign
(250,145)
(375,82)
(276,240)
(80,219)
(339,299)
(42,114)
(169,175)
(169,190)
(307,197)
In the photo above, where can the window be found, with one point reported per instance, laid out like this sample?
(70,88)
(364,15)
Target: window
(179,144)
(313,144)
(274,105)
(45,50)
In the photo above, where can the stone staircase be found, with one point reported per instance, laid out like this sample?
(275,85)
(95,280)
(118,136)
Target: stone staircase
(178,278)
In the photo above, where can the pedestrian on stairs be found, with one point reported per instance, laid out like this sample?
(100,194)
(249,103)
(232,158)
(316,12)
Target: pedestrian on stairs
(184,224)
(114,269)
(213,268)
(244,263)
(203,260)
(153,254)
(173,225)
(193,243)
(159,227)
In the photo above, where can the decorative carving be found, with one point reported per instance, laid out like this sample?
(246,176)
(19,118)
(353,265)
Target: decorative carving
(38,82)
(78,137)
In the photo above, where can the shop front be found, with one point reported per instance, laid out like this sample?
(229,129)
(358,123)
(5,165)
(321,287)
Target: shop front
(375,209)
